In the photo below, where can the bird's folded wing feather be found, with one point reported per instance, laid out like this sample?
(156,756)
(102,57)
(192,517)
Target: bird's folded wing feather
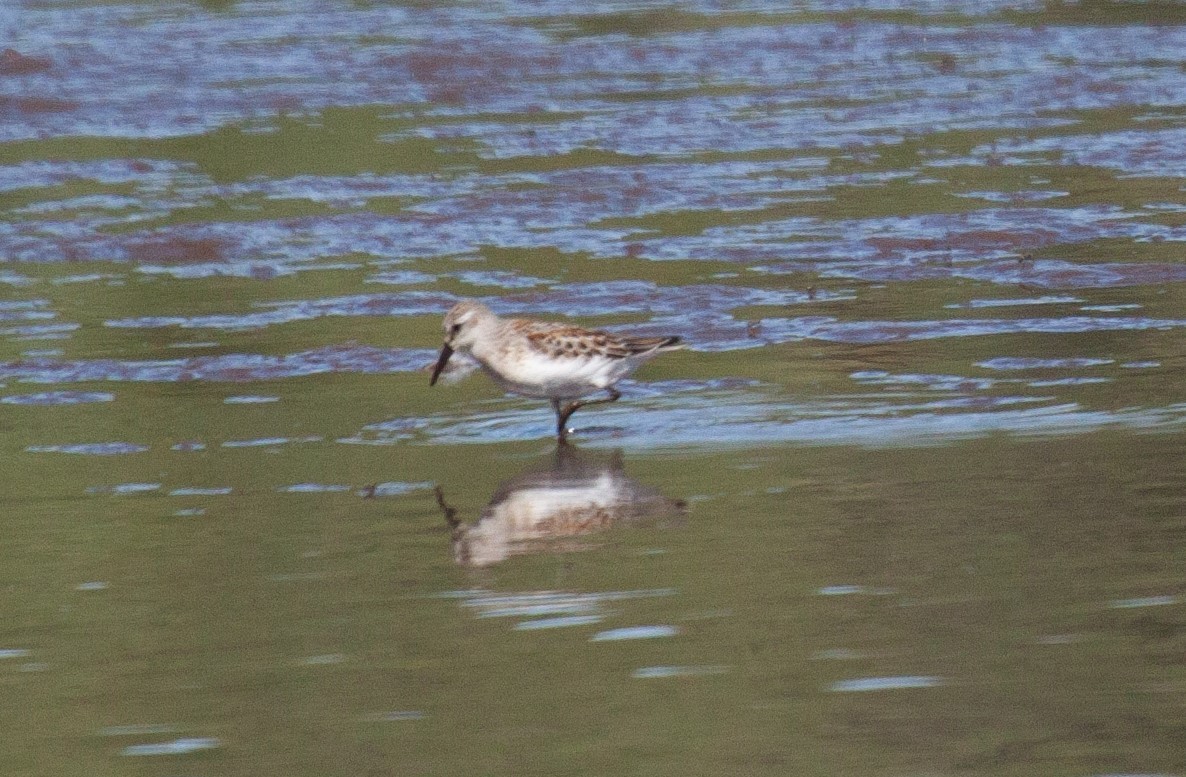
(561,340)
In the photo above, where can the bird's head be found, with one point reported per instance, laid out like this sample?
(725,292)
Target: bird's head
(462,325)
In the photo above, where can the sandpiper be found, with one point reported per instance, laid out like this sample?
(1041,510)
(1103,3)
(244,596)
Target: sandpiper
(551,360)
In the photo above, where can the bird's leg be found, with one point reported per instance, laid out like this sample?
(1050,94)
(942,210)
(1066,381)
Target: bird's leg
(563,414)
(561,419)
(449,511)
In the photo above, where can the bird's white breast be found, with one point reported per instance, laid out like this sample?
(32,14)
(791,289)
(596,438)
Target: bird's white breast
(535,374)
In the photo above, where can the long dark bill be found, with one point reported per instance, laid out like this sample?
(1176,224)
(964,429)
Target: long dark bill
(446,352)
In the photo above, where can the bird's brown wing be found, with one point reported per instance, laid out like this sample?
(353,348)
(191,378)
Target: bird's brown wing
(560,340)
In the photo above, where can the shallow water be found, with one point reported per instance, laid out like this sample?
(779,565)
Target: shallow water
(911,502)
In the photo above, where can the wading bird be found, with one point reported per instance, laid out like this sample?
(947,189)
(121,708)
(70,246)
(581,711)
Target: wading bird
(544,359)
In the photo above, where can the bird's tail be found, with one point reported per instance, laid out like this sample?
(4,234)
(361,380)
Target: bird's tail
(639,345)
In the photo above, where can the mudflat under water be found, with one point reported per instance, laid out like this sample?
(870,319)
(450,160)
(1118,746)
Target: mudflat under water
(913,501)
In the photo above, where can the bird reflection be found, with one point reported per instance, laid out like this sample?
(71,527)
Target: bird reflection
(550,509)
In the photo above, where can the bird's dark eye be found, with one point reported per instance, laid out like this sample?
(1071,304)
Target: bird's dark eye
(454,329)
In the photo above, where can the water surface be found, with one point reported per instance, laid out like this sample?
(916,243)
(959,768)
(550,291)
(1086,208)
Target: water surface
(911,502)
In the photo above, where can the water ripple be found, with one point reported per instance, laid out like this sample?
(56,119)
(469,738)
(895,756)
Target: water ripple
(231,368)
(744,419)
(634,632)
(182,746)
(57,398)
(885,683)
(90,449)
